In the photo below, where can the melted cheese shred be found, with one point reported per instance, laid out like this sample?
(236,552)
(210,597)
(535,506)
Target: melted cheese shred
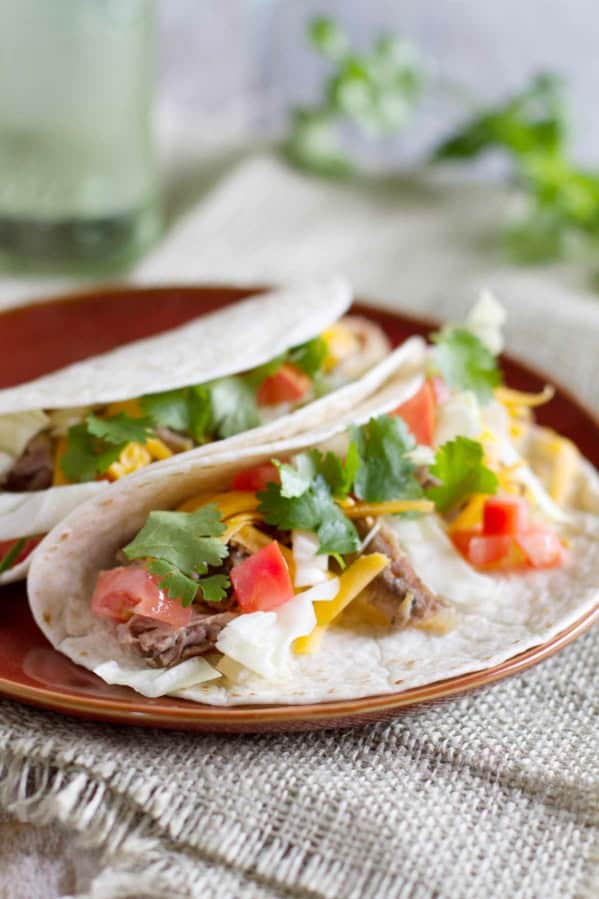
(351,583)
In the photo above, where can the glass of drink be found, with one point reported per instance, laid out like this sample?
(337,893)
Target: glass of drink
(78,175)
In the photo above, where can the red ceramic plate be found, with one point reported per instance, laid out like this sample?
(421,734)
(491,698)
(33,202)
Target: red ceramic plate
(44,337)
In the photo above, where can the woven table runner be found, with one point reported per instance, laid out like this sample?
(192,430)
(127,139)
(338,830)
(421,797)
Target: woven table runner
(495,794)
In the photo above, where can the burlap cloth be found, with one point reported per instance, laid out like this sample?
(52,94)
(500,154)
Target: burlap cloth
(493,795)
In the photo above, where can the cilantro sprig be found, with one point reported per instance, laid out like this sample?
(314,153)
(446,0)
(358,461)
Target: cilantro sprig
(465,363)
(459,467)
(94,444)
(375,92)
(386,470)
(182,546)
(531,129)
(376,467)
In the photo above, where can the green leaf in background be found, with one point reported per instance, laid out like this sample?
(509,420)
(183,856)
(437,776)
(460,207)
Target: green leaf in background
(465,363)
(375,92)
(528,122)
(460,468)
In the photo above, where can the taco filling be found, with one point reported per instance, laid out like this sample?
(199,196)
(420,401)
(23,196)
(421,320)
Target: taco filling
(348,531)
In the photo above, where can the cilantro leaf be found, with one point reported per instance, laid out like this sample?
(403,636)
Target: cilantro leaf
(10,558)
(465,363)
(176,585)
(214,588)
(119,428)
(168,409)
(234,406)
(294,481)
(338,473)
(200,413)
(385,471)
(309,356)
(313,510)
(375,91)
(187,540)
(460,468)
(86,456)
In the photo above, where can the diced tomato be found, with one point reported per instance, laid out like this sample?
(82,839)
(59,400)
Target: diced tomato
(122,592)
(461,539)
(289,383)
(504,515)
(262,582)
(542,548)
(26,549)
(441,390)
(483,551)
(256,478)
(536,547)
(419,414)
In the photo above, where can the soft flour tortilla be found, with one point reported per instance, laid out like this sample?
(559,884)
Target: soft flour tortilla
(497,617)
(233,339)
(222,340)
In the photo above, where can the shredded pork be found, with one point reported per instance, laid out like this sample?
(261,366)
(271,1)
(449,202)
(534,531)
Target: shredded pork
(34,468)
(397,591)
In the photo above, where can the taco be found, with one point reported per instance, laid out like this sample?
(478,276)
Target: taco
(271,366)
(432,531)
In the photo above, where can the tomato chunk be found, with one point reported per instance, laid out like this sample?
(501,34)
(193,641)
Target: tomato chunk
(287,384)
(27,548)
(262,582)
(504,515)
(488,550)
(419,414)
(542,548)
(256,478)
(122,592)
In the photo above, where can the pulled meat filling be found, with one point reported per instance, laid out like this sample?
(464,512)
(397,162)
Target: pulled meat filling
(397,591)
(34,468)
(163,645)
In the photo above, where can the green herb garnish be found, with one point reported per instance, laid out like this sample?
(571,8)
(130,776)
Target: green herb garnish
(182,545)
(312,510)
(386,470)
(460,468)
(465,363)
(11,556)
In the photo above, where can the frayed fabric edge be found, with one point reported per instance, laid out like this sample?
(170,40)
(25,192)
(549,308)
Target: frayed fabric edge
(137,862)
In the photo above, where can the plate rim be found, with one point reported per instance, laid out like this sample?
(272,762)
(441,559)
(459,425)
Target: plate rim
(250,718)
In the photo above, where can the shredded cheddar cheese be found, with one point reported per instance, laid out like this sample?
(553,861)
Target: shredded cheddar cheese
(157,448)
(341,342)
(232,502)
(389,507)
(59,478)
(132,458)
(132,408)
(351,583)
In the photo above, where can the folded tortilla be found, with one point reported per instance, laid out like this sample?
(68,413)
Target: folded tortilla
(498,616)
(230,341)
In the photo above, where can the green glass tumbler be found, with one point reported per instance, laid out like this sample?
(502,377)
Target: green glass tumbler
(78,171)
